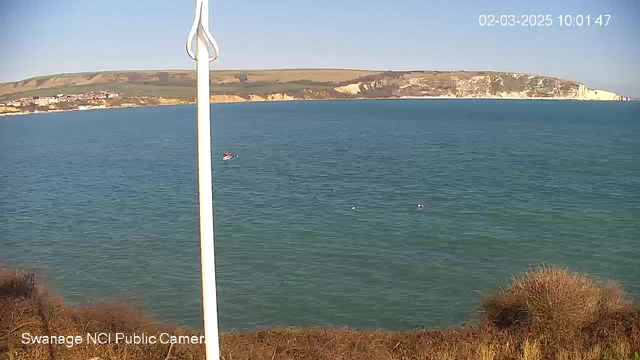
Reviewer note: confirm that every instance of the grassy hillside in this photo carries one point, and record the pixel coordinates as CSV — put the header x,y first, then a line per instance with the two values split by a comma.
x,y
181,83
311,84
546,314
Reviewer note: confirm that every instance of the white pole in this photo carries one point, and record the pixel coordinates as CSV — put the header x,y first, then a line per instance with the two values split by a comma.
x,y
205,183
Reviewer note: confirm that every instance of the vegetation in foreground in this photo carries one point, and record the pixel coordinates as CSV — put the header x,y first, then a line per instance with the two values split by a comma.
x,y
547,313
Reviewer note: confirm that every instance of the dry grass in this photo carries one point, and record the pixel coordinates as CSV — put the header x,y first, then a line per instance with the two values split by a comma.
x,y
553,299
560,307
171,81
530,350
549,313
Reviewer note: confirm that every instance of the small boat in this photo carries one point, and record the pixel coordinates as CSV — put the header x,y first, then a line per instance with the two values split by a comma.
x,y
227,156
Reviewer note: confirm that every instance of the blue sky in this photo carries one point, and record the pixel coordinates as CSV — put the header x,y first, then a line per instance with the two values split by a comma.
x,y
40,37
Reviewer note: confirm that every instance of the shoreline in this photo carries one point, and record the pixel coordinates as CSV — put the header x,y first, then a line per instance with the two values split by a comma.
x,y
234,99
89,109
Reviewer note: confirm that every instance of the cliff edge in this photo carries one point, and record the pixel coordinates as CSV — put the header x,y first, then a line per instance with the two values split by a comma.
x,y
482,85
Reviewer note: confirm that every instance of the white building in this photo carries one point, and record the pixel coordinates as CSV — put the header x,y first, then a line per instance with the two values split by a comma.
x,y
43,101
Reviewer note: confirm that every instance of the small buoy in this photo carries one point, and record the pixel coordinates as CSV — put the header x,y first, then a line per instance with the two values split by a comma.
x,y
420,206
353,208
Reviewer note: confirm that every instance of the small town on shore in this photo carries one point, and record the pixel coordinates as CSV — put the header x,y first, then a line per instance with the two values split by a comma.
x,y
80,101
58,102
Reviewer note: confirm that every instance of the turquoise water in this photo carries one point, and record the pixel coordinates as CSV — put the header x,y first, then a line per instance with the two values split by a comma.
x,y
106,205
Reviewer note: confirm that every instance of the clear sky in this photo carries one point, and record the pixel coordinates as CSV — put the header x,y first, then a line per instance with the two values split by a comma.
x,y
39,37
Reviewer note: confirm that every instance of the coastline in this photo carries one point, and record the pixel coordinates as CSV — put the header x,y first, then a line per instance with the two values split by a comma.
x,y
16,114
232,99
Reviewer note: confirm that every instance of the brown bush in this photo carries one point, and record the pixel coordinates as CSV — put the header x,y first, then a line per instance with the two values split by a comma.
x,y
16,285
551,298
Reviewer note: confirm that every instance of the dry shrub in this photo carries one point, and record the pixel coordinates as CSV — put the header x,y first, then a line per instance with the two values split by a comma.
x,y
553,301
111,317
14,284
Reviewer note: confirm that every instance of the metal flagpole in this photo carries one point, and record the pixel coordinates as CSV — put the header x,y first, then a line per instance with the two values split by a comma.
x,y
204,41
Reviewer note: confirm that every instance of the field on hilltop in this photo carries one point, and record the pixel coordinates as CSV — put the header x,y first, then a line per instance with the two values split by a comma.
x,y
181,83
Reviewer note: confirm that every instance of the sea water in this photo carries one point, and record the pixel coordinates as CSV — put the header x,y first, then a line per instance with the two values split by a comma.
x,y
316,219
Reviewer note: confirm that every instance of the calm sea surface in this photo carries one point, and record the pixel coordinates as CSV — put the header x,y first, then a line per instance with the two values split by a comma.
x,y
105,204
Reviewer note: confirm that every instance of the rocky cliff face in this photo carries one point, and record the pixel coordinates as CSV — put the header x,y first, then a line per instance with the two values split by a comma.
x,y
472,85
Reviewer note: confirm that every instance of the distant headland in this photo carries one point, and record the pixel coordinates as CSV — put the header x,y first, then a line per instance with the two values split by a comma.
x,y
114,89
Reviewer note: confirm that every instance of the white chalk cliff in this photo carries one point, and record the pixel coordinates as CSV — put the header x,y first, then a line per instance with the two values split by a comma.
x,y
481,85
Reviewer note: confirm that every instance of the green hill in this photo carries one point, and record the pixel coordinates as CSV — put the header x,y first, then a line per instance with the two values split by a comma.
x,y
181,83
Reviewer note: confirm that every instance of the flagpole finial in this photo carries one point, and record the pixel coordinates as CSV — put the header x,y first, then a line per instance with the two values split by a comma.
x,y
209,39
